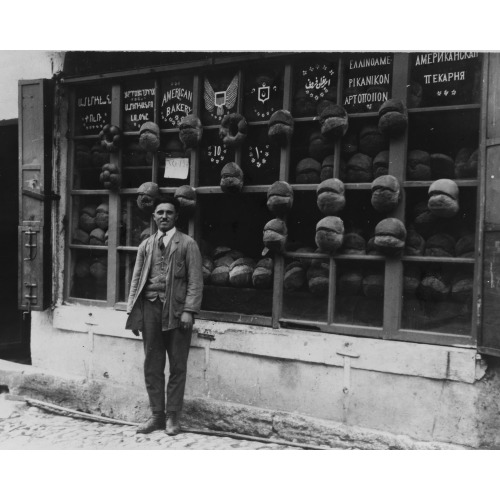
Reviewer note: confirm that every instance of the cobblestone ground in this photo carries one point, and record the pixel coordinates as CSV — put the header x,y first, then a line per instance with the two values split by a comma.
x,y
31,428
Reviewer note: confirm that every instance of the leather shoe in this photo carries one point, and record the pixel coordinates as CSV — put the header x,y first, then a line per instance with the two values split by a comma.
x,y
173,426
154,423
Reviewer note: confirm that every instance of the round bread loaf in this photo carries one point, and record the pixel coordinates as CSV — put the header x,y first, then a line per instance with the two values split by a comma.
x,y
318,278
462,287
329,234
415,95
87,222
411,279
231,178
275,235
381,164
373,285
97,237
330,196
233,130
465,247
327,168
303,105
295,276
308,171
220,274
443,198
220,251
390,236
371,141
334,122
461,164
262,277
371,248
415,243
280,198
207,267
281,127
147,193
472,165
350,283
186,195
386,193
102,216
434,286
424,220
190,131
82,268
307,261
393,118
149,136
99,156
240,272
235,254
110,176
442,166
440,245
146,233
319,147
99,269
359,168
350,143
80,237
418,166
354,244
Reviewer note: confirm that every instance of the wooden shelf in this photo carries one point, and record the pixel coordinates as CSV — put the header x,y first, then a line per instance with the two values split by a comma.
x,y
442,260
90,192
438,109
369,114
75,246
137,167
169,131
218,190
84,137
258,123
124,248
426,184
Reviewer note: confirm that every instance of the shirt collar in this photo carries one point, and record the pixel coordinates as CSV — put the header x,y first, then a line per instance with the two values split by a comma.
x,y
168,234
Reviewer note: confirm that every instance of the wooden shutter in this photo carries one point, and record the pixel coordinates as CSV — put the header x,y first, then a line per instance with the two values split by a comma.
x,y
35,196
489,338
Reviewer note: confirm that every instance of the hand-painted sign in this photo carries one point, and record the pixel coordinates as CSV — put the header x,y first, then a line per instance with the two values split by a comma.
x,y
139,104
367,82
93,110
444,78
176,168
263,96
176,100
314,82
219,98
217,154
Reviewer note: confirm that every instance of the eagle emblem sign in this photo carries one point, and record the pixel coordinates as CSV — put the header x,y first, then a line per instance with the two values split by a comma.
x,y
220,100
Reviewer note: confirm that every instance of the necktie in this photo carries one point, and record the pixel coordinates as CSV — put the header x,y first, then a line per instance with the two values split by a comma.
x,y
162,245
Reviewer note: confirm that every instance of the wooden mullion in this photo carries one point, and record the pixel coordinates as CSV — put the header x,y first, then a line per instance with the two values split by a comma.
x,y
114,208
481,204
338,142
156,113
393,283
194,225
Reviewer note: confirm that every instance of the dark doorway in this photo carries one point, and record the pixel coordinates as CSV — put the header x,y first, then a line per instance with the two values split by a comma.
x,y
14,327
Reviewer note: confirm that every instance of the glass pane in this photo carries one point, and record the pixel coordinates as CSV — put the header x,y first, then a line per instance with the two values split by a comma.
x,y
213,156
90,218
127,262
237,278
453,136
367,81
176,100
360,293
139,104
135,224
263,91
93,109
136,164
314,81
444,79
88,274
88,160
438,298
305,289
171,148
260,159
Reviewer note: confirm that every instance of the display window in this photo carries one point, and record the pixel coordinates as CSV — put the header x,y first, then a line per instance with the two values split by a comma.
x,y
376,159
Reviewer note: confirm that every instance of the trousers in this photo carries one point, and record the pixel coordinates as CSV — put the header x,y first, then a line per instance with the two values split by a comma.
x,y
157,345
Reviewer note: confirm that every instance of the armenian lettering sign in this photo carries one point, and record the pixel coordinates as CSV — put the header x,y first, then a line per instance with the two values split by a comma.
x,y
93,110
139,104
220,96
176,100
444,78
367,82
263,95
314,82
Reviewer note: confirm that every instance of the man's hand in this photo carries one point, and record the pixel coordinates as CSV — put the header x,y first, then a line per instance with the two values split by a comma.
x,y
186,321
136,332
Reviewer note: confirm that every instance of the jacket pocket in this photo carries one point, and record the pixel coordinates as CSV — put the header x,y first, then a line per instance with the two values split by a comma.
x,y
180,269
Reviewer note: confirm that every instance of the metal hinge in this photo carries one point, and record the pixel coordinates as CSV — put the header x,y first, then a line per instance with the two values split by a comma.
x,y
41,196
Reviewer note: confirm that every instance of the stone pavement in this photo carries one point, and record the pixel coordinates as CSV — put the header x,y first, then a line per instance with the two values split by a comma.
x,y
31,428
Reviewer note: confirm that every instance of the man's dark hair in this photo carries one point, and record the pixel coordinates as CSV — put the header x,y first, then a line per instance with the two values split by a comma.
x,y
167,198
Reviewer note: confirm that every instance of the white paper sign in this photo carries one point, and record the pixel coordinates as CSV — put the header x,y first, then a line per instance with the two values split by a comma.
x,y
176,168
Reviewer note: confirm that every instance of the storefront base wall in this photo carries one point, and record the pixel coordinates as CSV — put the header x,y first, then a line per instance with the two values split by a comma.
x,y
248,378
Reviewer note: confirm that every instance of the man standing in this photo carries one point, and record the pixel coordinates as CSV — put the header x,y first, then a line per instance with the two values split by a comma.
x,y
165,294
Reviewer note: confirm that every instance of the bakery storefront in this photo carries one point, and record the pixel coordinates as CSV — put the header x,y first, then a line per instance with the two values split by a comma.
x,y
347,209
